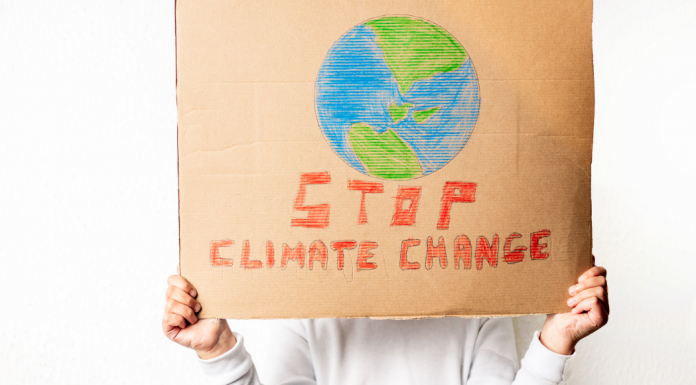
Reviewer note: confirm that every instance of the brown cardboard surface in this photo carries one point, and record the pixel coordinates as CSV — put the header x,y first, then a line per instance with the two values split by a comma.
x,y
249,129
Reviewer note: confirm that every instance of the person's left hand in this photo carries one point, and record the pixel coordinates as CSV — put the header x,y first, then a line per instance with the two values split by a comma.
x,y
590,311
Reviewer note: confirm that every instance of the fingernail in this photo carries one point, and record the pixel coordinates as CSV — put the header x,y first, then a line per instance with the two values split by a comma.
x,y
198,307
193,293
572,290
582,278
571,302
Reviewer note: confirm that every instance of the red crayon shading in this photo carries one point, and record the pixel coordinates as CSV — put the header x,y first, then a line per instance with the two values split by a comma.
x,y
406,216
364,254
339,246
317,215
365,187
215,259
270,254
296,254
405,245
462,250
246,263
454,192
486,251
536,247
318,252
516,255
438,252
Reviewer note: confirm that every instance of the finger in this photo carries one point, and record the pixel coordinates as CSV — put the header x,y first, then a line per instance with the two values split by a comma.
x,y
181,283
598,292
588,283
183,297
171,321
593,272
586,305
596,313
182,310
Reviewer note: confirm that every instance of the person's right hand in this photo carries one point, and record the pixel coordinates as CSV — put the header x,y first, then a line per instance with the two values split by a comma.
x,y
208,337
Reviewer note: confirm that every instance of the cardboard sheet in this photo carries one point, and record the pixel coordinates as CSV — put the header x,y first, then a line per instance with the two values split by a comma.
x,y
344,158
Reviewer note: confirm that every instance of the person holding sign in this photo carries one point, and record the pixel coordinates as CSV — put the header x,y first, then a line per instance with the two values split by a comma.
x,y
357,351
313,128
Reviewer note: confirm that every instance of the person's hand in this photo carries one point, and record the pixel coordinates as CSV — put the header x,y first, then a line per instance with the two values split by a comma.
x,y
590,311
209,337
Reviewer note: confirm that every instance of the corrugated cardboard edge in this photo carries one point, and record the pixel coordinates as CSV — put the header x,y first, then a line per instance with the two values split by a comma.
x,y
451,316
176,101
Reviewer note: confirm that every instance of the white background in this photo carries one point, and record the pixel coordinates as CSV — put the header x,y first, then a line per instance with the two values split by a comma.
x,y
88,194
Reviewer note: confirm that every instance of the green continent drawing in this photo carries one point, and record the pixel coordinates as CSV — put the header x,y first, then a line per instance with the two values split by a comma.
x,y
422,116
399,113
385,155
415,49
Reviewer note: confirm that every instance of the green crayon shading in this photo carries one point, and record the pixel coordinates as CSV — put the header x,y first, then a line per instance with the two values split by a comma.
x,y
384,155
416,50
399,113
422,116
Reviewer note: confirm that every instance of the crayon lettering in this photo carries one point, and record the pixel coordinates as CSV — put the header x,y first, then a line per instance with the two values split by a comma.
x,y
536,248
364,254
215,259
296,254
436,252
318,252
406,216
486,251
516,255
339,246
318,215
246,263
454,192
405,264
365,187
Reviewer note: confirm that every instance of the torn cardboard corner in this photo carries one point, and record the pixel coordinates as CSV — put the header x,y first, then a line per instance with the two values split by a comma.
x,y
384,159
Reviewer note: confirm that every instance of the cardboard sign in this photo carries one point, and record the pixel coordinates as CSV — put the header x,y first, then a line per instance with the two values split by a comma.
x,y
384,158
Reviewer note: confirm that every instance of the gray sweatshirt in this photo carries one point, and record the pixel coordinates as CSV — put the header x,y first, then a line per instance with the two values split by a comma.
x,y
441,351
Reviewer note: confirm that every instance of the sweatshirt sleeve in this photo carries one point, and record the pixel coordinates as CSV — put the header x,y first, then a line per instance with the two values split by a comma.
x,y
495,358
288,360
540,365
234,367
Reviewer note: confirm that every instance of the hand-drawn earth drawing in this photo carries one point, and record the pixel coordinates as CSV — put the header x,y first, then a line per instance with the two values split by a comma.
x,y
397,97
